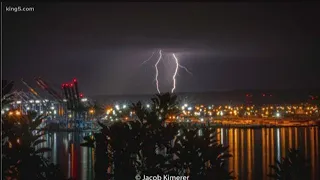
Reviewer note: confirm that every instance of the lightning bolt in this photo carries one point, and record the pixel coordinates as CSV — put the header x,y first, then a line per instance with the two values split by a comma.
x,y
186,69
175,73
157,71
147,59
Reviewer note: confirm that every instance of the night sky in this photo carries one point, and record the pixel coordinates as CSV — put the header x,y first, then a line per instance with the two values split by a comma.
x,y
226,46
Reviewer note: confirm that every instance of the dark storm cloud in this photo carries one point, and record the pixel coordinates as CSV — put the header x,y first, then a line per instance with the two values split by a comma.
x,y
227,46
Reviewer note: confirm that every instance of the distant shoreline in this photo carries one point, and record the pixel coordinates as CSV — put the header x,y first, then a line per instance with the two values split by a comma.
x,y
276,122
256,123
215,126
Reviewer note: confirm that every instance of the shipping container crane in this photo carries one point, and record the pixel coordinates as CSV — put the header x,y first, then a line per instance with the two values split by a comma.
x,y
66,94
36,95
75,82
34,92
73,97
47,88
71,93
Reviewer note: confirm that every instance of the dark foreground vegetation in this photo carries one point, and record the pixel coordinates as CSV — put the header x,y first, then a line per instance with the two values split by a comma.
x,y
149,146
21,159
145,146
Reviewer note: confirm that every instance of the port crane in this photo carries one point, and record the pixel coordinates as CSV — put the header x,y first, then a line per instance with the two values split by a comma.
x,y
35,94
45,86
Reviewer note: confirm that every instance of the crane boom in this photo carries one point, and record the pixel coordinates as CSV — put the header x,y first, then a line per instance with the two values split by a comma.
x,y
75,82
50,88
47,88
34,92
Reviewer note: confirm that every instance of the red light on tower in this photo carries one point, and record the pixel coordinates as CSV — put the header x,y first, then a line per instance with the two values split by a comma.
x,y
71,84
66,85
81,95
74,80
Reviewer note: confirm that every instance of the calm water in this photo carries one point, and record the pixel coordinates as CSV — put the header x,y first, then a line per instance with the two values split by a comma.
x,y
253,150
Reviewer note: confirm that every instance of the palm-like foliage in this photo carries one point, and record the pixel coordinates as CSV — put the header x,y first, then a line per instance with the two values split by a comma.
x,y
21,158
291,167
164,105
149,146
200,155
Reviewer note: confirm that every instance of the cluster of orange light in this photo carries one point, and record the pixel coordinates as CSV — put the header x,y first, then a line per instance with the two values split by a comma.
x,y
17,113
264,111
235,111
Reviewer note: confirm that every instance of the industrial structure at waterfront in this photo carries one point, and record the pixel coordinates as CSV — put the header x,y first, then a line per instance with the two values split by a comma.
x,y
69,108
66,104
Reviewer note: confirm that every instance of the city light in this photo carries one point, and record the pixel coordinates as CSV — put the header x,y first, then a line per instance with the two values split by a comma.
x,y
84,99
18,113
197,112
18,102
37,101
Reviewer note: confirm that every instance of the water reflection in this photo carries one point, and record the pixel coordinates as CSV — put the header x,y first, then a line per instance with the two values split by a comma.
x,y
253,150
76,162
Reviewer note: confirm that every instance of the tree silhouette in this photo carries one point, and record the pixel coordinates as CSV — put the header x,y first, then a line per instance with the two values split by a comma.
x,y
21,158
291,167
148,145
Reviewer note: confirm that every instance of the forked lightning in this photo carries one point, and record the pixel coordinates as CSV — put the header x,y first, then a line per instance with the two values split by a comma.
x,y
178,65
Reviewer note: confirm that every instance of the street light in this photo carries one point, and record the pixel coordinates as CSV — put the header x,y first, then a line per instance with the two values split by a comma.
x,y
18,113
